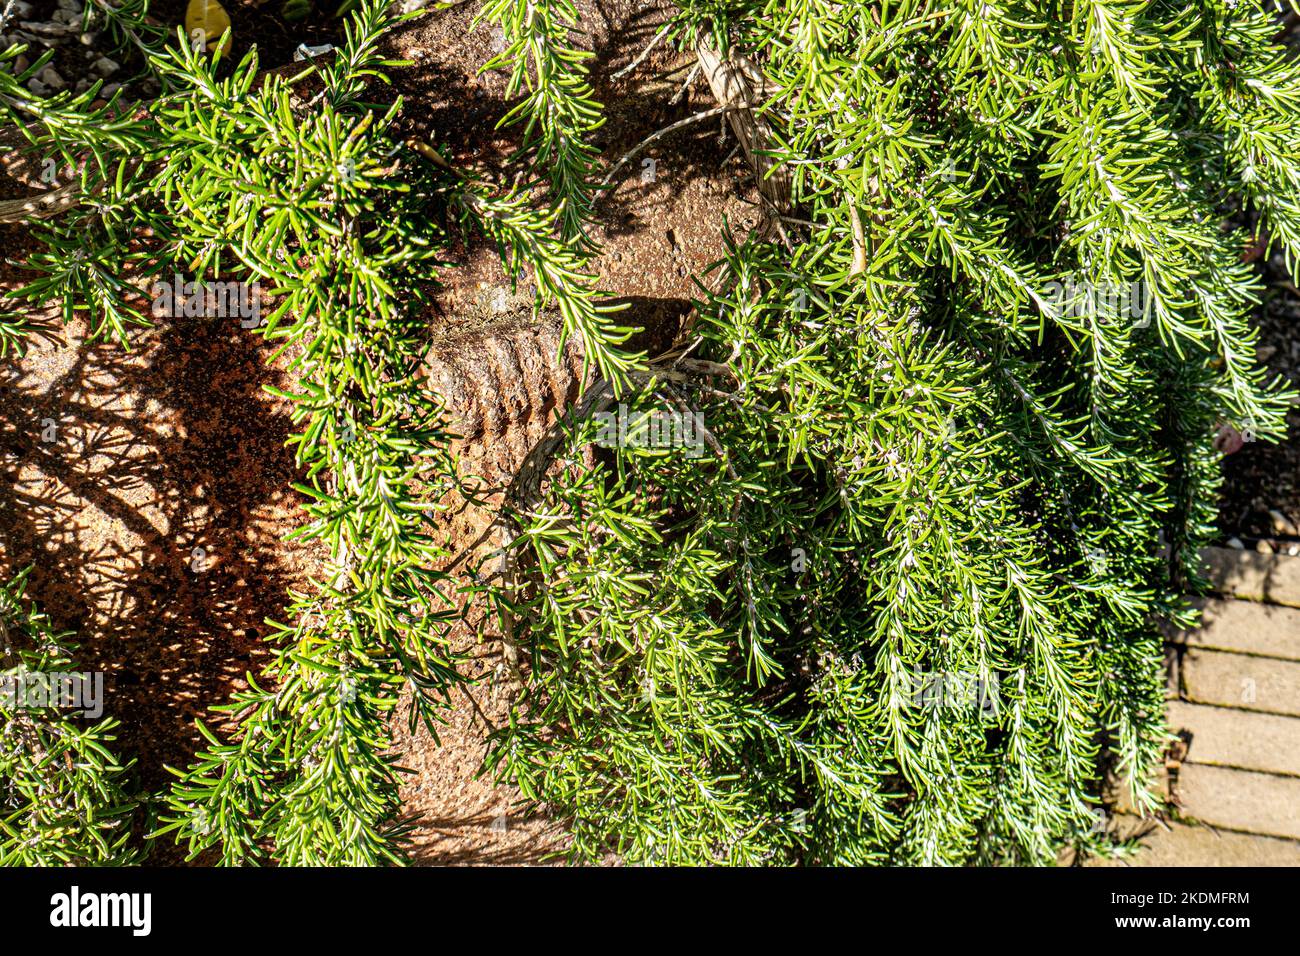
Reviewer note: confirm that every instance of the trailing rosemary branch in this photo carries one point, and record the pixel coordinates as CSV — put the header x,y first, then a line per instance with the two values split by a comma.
x,y
64,796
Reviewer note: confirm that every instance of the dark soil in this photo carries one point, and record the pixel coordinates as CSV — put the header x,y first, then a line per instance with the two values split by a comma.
x,y
263,25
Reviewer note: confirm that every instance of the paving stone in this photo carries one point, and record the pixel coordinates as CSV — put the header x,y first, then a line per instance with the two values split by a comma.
x,y
1274,578
1239,680
1240,675
1246,626
1238,738
1241,800
1173,668
1185,845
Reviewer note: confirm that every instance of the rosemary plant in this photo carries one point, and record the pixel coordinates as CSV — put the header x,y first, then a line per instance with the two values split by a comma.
x,y
64,796
300,185
961,406
940,457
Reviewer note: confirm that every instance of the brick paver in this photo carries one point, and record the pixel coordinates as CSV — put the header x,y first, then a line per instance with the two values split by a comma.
x,y
1225,737
1243,800
1183,845
1242,681
1246,627
1272,578
1235,701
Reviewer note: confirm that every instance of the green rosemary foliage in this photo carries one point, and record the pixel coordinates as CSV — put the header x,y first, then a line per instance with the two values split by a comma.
x,y
558,114
939,456
298,185
129,25
305,200
13,333
63,797
907,607
526,237
85,253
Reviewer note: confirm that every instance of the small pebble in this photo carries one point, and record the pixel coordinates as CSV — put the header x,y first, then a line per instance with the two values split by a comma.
x,y
1235,543
89,39
306,52
1282,525
1263,547
47,34
21,64
1228,440
22,9
51,78
105,67
1265,352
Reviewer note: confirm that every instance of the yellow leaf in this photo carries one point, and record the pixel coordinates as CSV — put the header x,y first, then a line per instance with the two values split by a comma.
x,y
205,22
